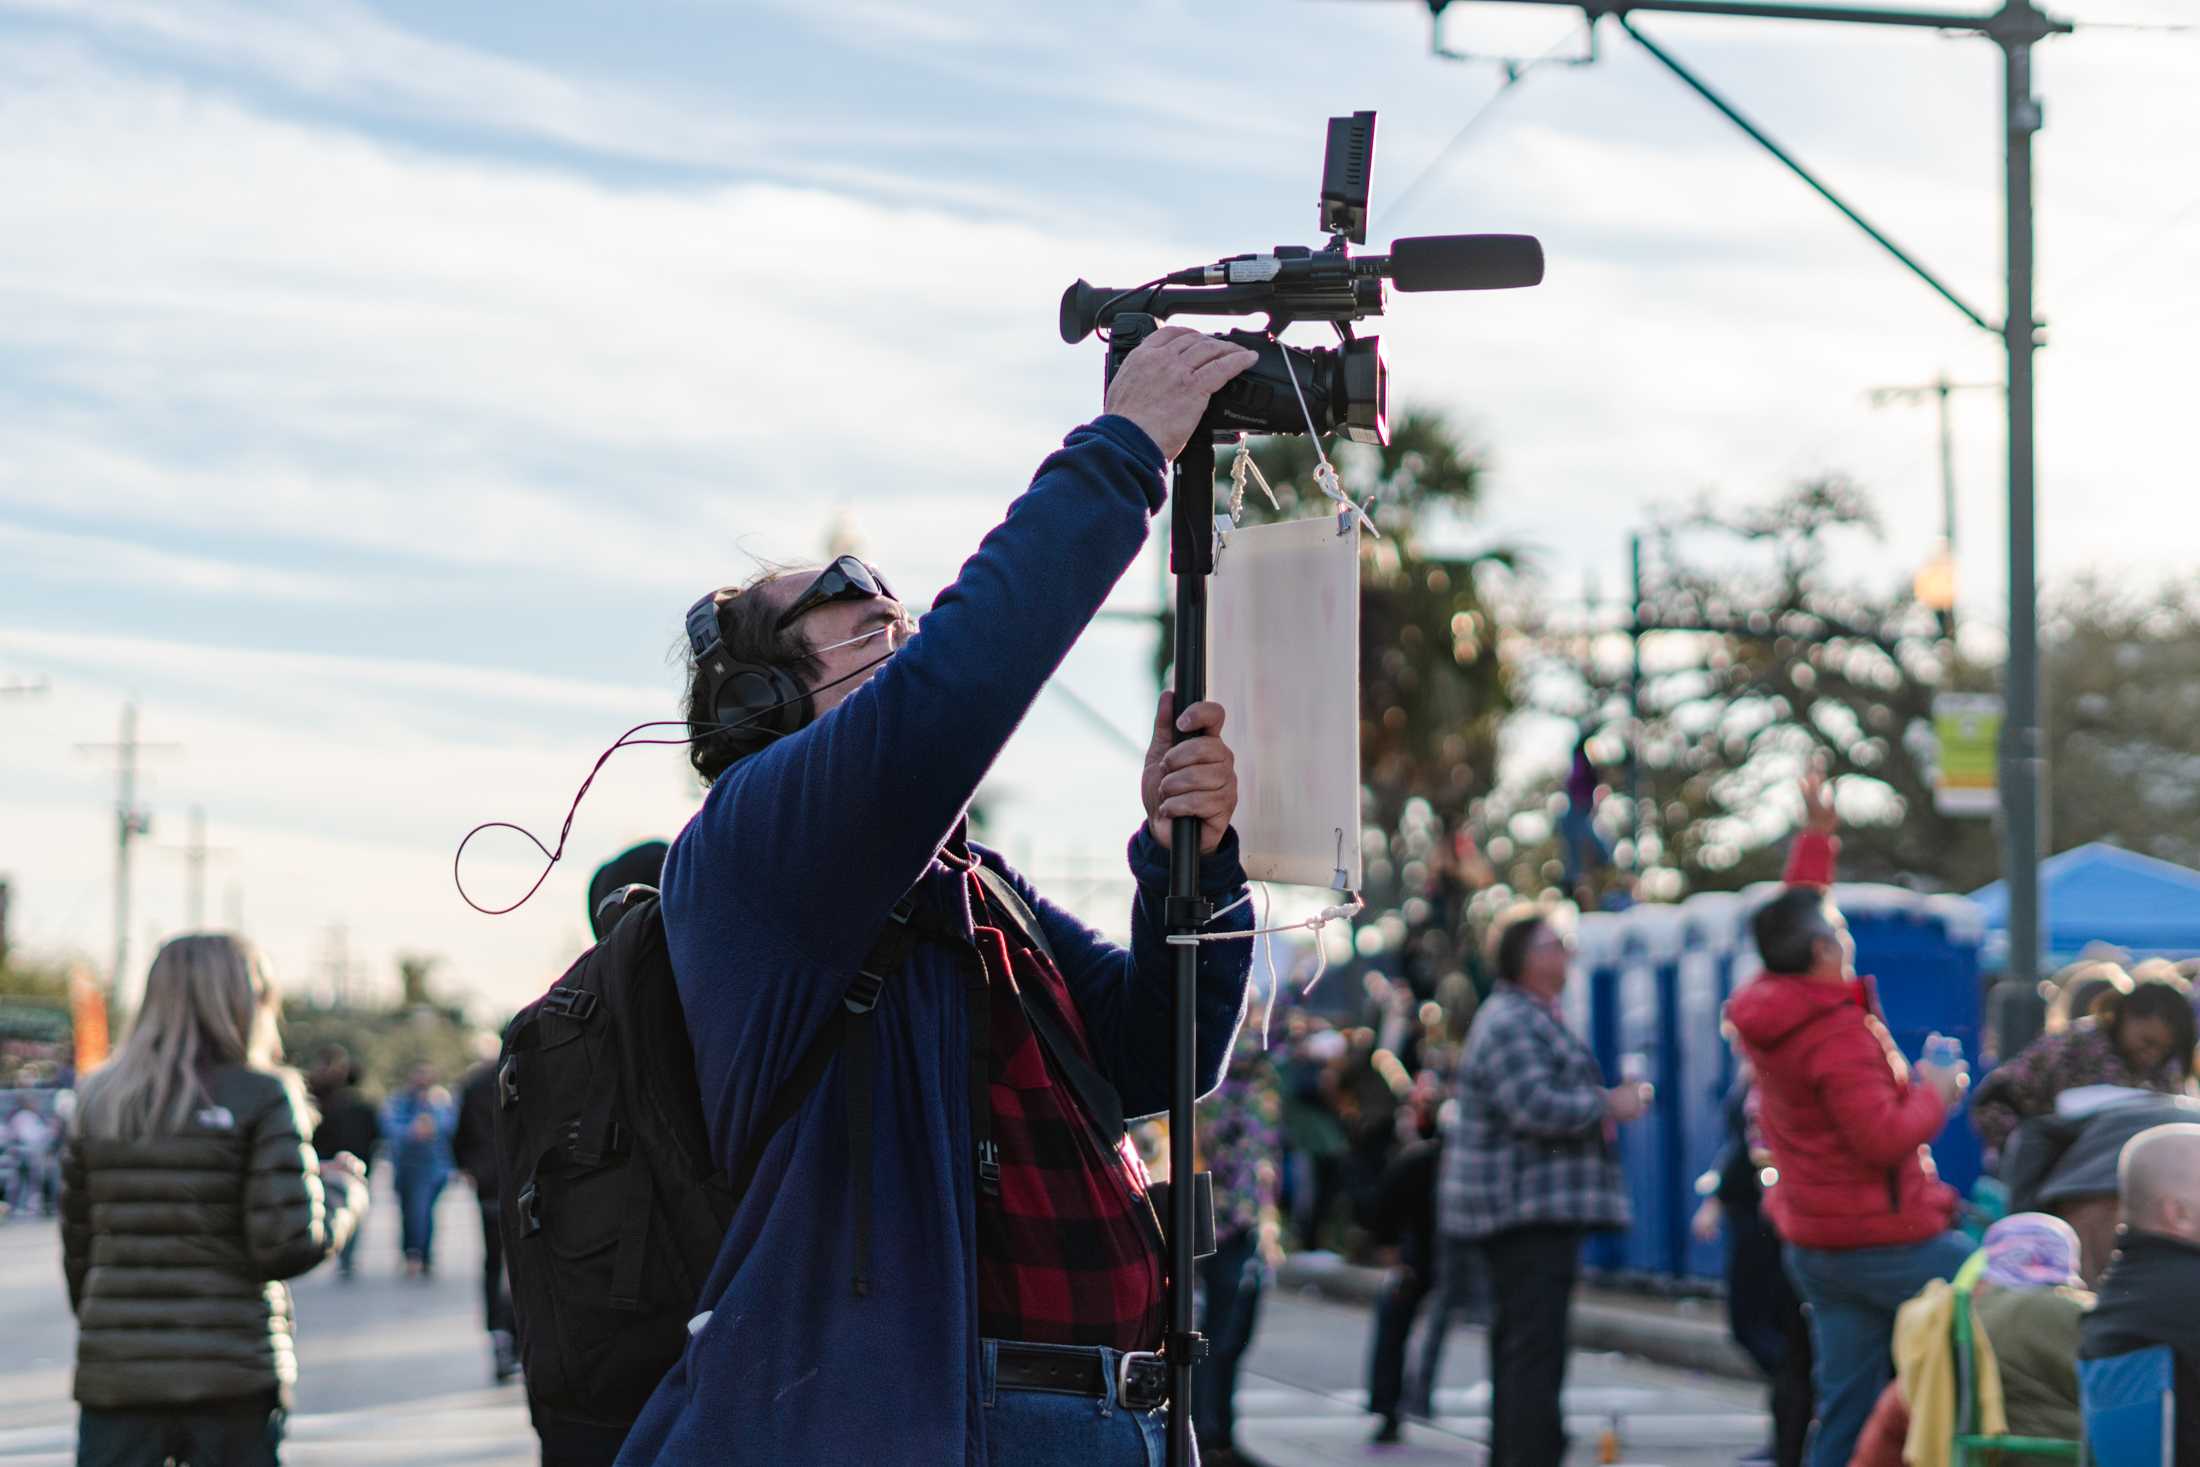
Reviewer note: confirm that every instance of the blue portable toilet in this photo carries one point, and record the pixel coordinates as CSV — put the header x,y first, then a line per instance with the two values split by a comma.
x,y
1626,982
1591,1007
1710,963
1924,953
1648,1043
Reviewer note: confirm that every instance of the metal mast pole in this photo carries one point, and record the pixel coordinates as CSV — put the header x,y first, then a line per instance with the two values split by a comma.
x,y
1635,630
2023,752
1191,558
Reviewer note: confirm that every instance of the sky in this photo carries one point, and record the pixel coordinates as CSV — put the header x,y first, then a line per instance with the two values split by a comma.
x,y
379,383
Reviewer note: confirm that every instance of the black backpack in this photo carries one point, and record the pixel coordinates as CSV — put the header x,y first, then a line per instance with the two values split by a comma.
x,y
611,1205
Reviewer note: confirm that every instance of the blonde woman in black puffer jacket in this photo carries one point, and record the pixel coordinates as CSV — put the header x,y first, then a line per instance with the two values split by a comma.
x,y
188,1193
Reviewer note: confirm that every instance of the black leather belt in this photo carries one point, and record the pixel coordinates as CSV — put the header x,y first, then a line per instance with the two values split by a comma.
x,y
1141,1378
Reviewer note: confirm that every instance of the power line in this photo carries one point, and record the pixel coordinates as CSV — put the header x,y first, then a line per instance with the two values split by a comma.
x,y
2109,268
1514,72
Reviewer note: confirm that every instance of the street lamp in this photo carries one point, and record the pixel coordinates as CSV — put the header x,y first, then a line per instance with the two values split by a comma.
x,y
1934,586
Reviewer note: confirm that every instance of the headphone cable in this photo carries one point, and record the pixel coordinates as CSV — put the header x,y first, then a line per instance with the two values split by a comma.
x,y
624,741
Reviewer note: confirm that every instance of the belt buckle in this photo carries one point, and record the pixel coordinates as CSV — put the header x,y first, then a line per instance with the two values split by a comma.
x,y
1141,1381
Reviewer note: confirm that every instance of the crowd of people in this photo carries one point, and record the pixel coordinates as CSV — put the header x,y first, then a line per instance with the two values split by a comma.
x,y
31,1126
826,914
1468,1148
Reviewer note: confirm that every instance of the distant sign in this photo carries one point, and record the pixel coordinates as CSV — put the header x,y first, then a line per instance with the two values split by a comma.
x,y
1968,727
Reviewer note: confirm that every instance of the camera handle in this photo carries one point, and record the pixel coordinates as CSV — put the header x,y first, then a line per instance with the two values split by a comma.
x,y
1191,560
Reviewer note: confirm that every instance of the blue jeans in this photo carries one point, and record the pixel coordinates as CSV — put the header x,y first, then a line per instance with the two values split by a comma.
x,y
1852,1296
1026,1428
417,1190
1231,1280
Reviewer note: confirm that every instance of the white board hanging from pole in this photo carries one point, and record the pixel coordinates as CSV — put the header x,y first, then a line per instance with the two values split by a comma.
x,y
1283,660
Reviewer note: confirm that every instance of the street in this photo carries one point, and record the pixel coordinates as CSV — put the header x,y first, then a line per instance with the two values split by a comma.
x,y
394,1371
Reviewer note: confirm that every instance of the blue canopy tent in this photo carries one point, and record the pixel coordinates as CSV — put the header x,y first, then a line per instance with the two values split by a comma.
x,y
2102,894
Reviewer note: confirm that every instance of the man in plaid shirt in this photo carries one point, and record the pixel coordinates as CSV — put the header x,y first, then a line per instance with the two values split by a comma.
x,y
1528,1170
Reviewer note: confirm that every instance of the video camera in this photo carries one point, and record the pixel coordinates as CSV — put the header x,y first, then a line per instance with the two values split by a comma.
x,y
1293,389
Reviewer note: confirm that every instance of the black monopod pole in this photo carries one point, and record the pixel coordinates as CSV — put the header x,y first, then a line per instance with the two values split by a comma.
x,y
1192,559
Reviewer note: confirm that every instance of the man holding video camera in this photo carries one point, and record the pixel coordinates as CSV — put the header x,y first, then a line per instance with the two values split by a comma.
x,y
972,1271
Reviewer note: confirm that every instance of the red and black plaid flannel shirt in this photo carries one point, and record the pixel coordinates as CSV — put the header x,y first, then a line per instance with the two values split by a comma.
x,y
1070,1252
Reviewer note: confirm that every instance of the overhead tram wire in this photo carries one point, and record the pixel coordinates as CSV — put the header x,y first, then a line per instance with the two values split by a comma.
x,y
1515,73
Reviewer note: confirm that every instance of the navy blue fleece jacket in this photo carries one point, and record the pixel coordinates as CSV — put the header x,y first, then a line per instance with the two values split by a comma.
x,y
771,896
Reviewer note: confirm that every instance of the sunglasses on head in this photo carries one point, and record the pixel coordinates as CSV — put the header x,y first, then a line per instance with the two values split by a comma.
x,y
846,579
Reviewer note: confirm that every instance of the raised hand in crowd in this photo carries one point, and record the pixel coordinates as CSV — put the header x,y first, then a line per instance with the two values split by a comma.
x,y
1818,811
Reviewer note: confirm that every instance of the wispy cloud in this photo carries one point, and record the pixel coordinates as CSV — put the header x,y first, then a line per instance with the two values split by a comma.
x,y
102,560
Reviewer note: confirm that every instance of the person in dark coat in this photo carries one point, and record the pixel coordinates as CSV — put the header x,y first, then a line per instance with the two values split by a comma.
x,y
1401,1214
473,1147
348,1123
637,865
188,1194
1763,1313
2146,1297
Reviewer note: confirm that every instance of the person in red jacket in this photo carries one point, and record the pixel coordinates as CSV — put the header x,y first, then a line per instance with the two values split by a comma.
x,y
1866,1219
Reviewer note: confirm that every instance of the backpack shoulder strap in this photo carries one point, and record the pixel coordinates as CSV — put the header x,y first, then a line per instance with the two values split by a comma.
x,y
887,954
848,1031
1004,894
1102,1102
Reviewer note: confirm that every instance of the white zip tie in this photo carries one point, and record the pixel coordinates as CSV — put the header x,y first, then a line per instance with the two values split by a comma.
x,y
1312,924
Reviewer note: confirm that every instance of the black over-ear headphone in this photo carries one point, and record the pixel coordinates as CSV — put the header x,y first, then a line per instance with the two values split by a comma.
x,y
752,703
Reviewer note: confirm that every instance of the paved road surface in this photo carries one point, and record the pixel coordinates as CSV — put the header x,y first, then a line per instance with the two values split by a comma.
x,y
395,1373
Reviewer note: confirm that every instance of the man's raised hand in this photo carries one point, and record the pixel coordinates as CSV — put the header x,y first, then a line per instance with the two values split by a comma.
x,y
1197,777
1818,812
1164,384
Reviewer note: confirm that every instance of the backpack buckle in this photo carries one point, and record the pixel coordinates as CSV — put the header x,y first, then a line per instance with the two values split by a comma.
x,y
530,1211
863,992
574,1003
508,1083
989,1168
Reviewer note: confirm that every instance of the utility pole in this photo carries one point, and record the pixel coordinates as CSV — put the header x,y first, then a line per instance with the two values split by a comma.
x,y
1941,594
2016,27
195,852
130,823
1635,629
337,964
